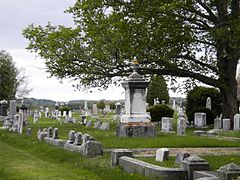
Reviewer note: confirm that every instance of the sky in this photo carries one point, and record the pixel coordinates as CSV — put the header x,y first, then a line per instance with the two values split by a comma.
x,y
17,15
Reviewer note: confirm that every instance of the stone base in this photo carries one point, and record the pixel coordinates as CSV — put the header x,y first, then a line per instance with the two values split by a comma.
x,y
135,118
136,130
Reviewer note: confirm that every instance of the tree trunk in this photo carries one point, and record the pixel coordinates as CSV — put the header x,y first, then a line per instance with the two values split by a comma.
x,y
228,87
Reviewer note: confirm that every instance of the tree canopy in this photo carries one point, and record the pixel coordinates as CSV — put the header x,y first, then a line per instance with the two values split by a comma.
x,y
157,88
190,38
8,76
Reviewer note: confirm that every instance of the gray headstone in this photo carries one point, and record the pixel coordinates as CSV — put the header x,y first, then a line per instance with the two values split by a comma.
x,y
50,132
94,110
217,123
200,119
226,124
105,126
229,171
181,156
208,103
162,154
89,124
117,153
55,133
86,138
29,131
13,107
78,138
71,137
236,122
181,126
97,124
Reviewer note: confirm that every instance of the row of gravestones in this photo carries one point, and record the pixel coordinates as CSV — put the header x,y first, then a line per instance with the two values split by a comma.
x,y
219,123
77,142
167,124
98,125
191,166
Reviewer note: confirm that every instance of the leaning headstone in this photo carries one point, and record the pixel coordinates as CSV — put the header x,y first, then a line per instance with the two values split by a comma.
x,y
167,124
50,132
29,132
71,137
55,133
217,123
89,124
78,139
105,126
236,122
226,124
200,119
229,171
181,156
208,103
162,154
97,124
194,163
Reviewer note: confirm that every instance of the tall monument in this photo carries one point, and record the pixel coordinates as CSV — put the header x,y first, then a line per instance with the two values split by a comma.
x,y
135,122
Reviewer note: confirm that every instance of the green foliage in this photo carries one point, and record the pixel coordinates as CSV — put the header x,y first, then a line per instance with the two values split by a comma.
x,y
65,108
159,111
157,88
8,77
101,104
196,102
112,105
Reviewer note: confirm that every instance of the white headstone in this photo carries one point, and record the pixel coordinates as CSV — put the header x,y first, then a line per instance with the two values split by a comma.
x,y
64,113
162,154
200,119
35,116
236,122
94,110
167,124
208,103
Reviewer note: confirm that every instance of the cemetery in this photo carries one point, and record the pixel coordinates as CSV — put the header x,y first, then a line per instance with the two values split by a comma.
x,y
137,53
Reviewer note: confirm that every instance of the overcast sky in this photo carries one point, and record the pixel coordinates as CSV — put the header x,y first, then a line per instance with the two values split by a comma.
x,y
14,17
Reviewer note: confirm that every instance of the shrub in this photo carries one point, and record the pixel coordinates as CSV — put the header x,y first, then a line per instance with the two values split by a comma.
x,y
196,102
65,108
159,111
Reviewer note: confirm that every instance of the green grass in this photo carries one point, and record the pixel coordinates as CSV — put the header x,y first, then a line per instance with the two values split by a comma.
x,y
24,157
215,161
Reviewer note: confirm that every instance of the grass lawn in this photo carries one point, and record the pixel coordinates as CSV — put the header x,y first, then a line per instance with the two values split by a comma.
x,y
24,157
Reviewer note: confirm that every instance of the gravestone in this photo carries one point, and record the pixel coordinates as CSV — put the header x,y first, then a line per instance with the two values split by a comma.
x,y
86,138
217,123
181,156
29,132
174,104
135,122
70,114
13,109
94,110
50,132
78,139
226,124
15,123
162,154
85,106
181,124
229,172
64,113
208,103
104,126
236,122
55,133
35,116
71,137
107,108
194,163
97,124
118,111
89,124
167,124
46,112
200,119
22,118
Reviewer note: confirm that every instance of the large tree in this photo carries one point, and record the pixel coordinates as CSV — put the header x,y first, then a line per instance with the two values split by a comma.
x,y
157,88
198,39
8,76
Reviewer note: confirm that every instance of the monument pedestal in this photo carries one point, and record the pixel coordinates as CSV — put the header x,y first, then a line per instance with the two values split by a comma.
x,y
136,129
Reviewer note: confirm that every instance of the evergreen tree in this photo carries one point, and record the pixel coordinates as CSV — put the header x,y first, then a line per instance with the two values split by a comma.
x,y
157,88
